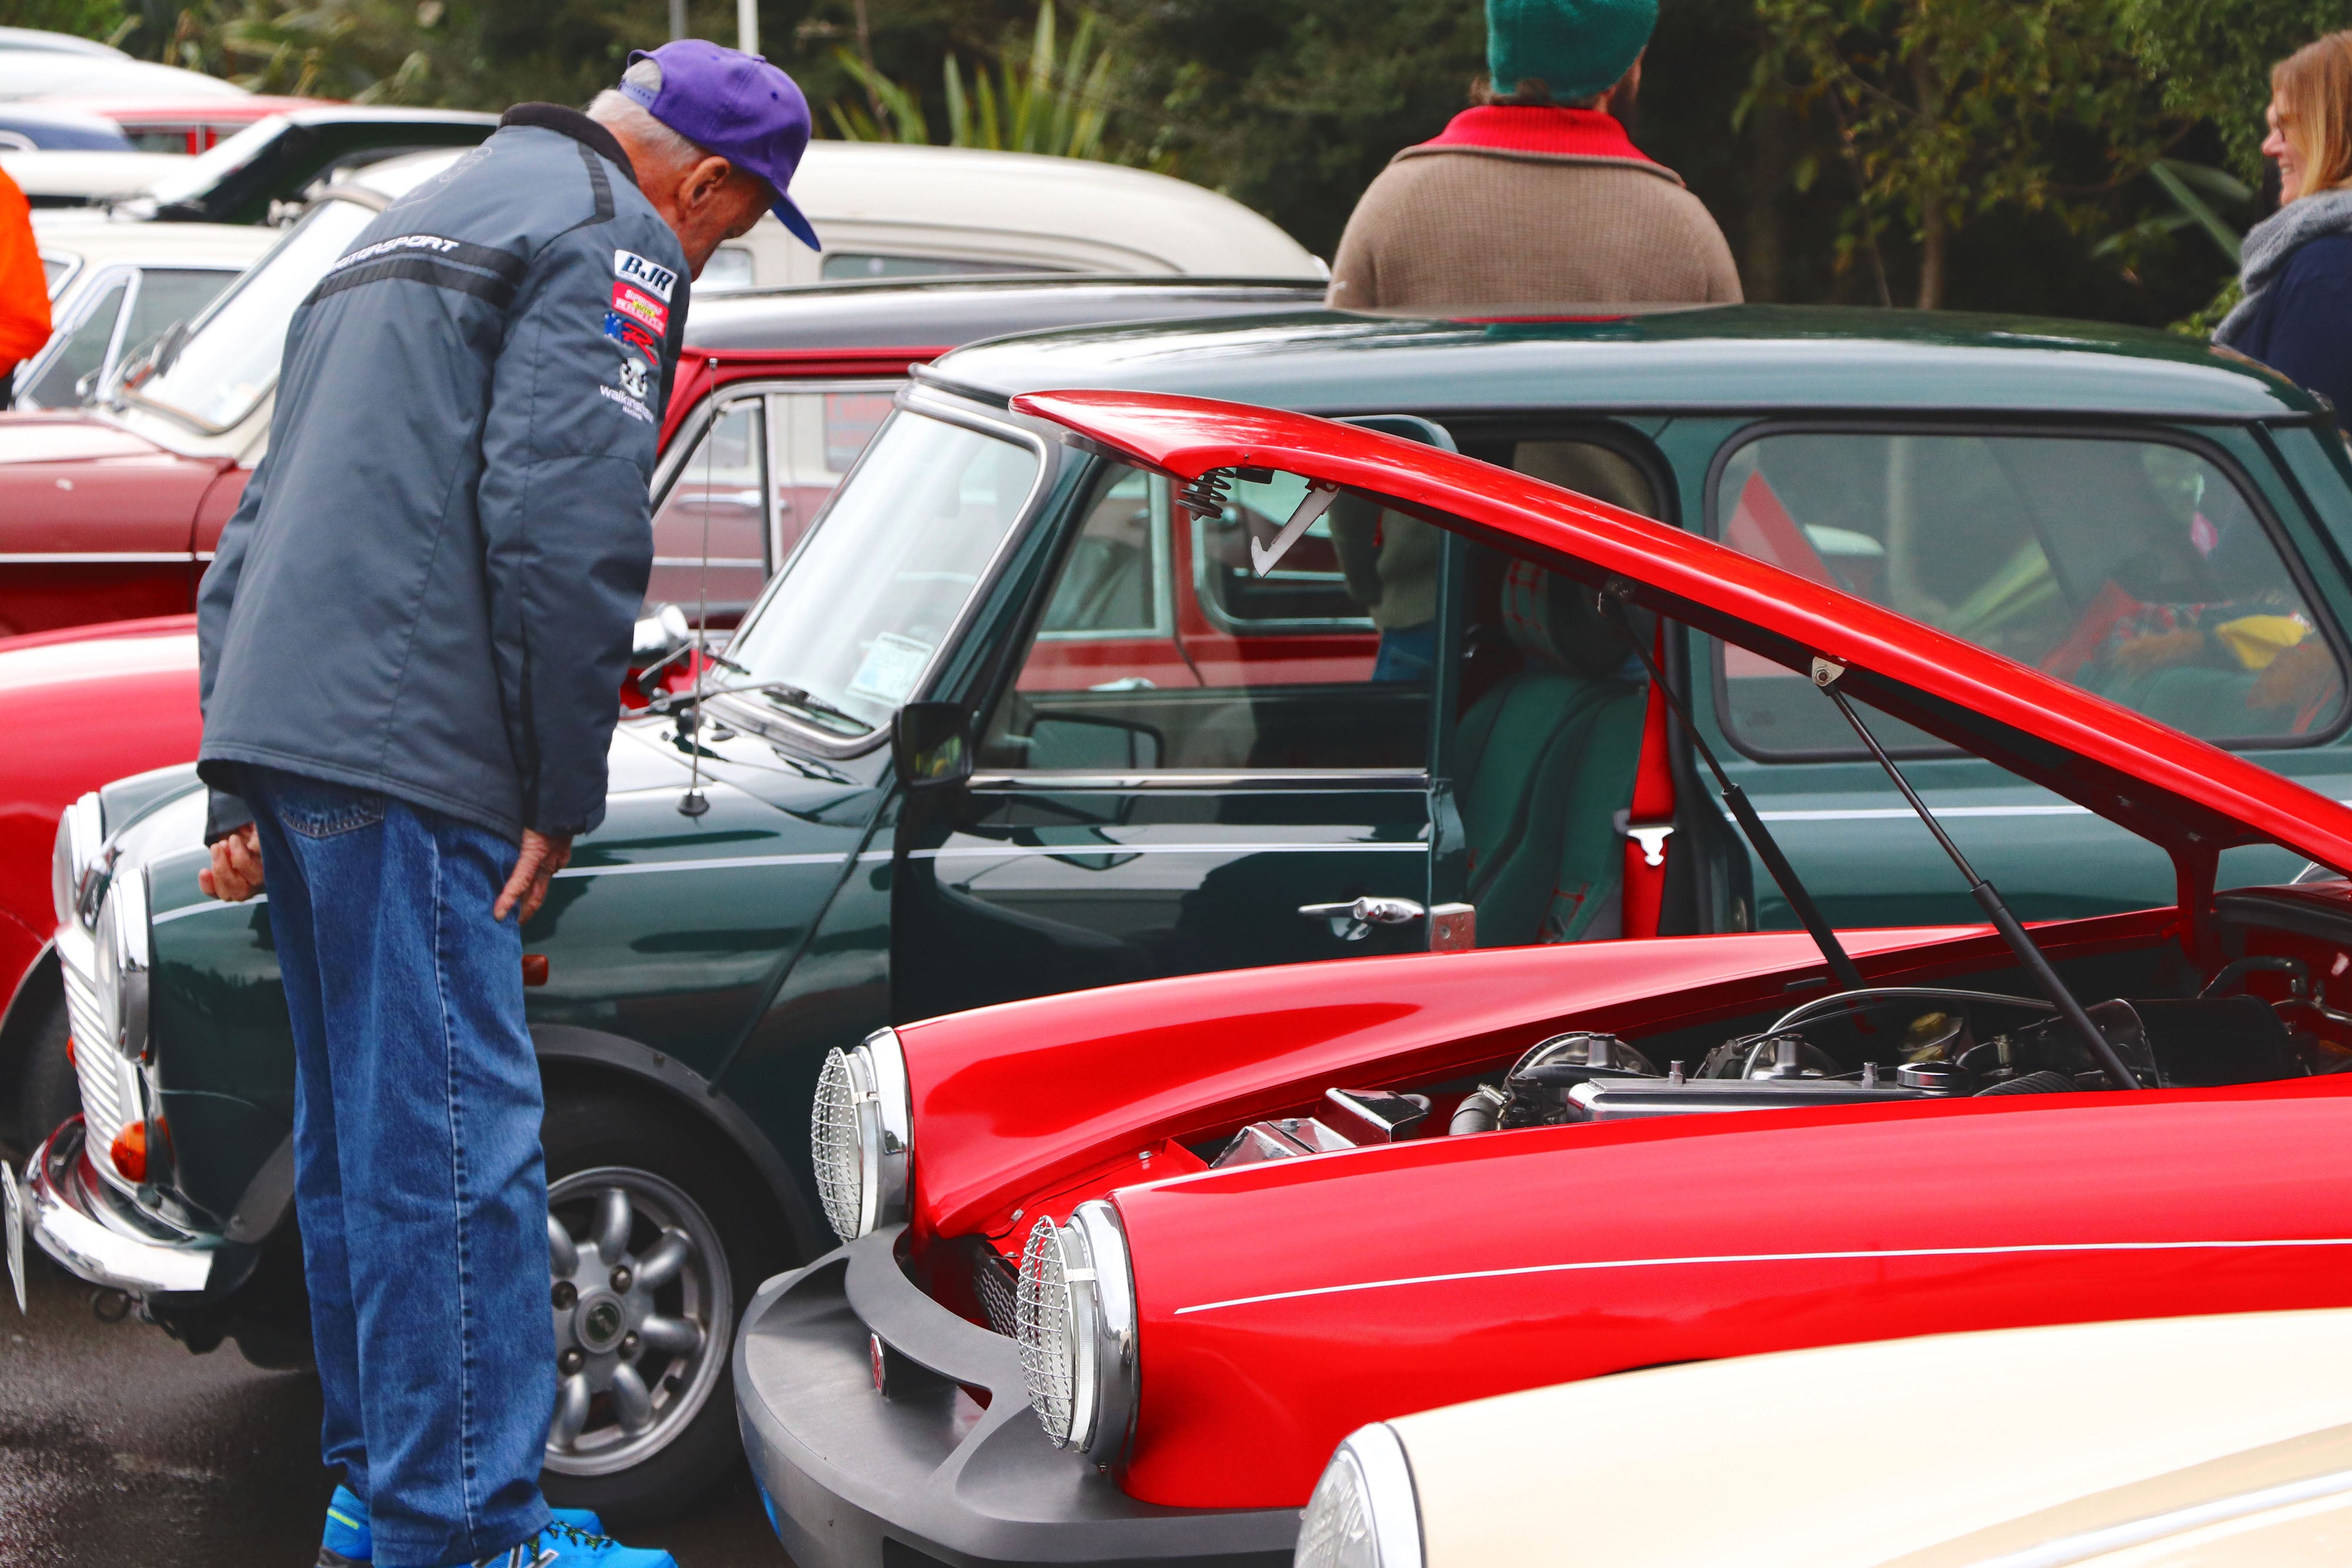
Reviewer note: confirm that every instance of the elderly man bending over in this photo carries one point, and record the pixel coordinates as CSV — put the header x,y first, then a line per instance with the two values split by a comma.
x,y
412,642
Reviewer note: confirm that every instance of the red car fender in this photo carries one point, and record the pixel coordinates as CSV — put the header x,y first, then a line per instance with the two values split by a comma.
x,y
1282,1306
85,706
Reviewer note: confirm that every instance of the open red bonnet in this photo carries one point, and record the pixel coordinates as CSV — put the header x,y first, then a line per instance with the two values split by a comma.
x,y
2193,798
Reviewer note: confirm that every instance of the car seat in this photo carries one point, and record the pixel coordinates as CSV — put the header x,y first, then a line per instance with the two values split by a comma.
x,y
1547,760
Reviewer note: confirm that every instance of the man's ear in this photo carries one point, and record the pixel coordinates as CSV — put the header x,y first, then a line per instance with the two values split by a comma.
x,y
704,181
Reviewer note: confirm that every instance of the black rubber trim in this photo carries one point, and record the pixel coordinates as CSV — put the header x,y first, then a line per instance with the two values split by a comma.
x,y
498,291
858,1479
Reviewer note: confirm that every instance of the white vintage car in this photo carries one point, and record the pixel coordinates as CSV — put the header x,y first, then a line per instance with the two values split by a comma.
x,y
116,288
2211,1442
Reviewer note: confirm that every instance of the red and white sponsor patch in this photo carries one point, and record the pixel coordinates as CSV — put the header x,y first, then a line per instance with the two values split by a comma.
x,y
641,306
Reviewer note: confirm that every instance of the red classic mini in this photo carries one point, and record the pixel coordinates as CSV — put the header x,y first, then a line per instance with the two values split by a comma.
x,y
1122,1266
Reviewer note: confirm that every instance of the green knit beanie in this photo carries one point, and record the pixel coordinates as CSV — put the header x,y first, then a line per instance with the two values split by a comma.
x,y
1575,48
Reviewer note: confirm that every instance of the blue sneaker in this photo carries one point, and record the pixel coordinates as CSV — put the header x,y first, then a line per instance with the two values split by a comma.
x,y
348,1540
562,1545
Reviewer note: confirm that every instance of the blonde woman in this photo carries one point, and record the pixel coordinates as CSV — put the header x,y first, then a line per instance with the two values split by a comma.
x,y
2296,266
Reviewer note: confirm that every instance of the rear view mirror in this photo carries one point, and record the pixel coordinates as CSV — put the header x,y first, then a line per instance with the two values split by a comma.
x,y
931,744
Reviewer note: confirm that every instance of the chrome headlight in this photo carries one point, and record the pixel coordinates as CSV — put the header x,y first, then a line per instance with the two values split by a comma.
x,y
861,1133
1076,1328
75,857
119,959
1363,1513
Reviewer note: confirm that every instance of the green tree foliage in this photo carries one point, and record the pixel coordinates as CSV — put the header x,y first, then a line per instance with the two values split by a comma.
x,y
2213,58
1292,106
1945,109
83,18
1041,99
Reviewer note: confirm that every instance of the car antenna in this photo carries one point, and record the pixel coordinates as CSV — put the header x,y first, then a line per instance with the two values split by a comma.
x,y
2037,962
1743,811
693,802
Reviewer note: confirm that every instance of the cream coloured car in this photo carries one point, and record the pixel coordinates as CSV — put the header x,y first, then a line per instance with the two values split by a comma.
x,y
885,210
2208,1442
115,287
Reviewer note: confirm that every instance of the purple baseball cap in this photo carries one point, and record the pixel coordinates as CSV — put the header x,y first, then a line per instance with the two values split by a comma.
x,y
737,106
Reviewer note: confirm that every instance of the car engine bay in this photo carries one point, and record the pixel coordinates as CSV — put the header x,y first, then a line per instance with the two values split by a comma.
x,y
1879,1045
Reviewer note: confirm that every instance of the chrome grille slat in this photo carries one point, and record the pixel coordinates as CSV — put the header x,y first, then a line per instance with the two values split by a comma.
x,y
98,1070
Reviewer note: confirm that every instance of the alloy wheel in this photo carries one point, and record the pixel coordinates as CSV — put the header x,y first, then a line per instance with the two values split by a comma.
x,y
644,1315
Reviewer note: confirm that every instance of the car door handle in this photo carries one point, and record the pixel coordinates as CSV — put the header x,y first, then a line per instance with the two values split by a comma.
x,y
1354,920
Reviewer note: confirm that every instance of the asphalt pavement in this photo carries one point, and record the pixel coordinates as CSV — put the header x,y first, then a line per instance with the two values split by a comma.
x,y
117,1446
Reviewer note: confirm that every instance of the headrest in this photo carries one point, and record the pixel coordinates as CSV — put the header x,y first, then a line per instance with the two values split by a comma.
x,y
1553,619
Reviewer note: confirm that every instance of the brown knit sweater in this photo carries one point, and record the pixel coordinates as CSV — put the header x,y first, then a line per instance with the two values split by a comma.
x,y
1447,227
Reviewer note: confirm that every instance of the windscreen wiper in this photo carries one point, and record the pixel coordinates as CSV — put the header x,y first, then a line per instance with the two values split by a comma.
x,y
2037,964
1735,801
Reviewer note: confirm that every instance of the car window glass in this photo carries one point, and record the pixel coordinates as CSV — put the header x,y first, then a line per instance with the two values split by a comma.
x,y
852,624
817,439
710,531
1132,669
83,351
2135,569
1309,591
231,357
848,267
166,295
54,267
729,267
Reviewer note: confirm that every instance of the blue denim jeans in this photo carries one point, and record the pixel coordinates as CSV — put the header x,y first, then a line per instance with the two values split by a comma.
x,y
417,1175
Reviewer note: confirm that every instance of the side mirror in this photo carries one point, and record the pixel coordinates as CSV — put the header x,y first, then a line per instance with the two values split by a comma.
x,y
932,744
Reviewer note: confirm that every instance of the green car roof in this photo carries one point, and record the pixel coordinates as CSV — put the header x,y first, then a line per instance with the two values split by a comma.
x,y
1724,356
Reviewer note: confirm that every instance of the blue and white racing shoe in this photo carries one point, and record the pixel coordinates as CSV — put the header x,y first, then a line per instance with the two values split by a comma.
x,y
348,1542
561,1545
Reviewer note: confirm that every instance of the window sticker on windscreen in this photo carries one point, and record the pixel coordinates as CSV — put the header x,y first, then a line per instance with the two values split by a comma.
x,y
891,667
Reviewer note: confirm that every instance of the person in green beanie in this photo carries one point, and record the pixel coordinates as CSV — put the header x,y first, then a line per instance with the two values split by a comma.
x,y
1536,196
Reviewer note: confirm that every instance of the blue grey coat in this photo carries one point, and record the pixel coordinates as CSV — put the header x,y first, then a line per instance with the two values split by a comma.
x,y
429,587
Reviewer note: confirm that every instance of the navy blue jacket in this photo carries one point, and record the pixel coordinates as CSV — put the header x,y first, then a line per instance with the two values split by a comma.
x,y
429,587
2302,325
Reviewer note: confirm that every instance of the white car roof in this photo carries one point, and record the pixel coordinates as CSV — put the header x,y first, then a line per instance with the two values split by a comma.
x,y
87,176
48,73
1954,1448
1182,226
56,43
96,243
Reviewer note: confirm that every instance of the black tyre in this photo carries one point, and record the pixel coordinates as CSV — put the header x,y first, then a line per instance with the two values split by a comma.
x,y
47,1093
658,1238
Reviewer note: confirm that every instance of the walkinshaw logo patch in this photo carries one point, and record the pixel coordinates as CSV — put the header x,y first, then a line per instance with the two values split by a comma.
x,y
633,376
432,242
631,335
650,275
629,302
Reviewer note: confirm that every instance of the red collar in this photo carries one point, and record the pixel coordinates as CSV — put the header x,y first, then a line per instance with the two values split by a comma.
x,y
1560,132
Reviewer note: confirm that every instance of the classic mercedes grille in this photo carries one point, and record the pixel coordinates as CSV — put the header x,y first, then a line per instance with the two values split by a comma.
x,y
834,1146
998,1287
98,1070
1046,1361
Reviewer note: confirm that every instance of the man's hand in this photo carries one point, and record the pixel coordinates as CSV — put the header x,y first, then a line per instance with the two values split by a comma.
x,y
234,875
542,858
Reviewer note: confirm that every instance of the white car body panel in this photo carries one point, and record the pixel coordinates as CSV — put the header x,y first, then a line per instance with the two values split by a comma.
x,y
2213,1441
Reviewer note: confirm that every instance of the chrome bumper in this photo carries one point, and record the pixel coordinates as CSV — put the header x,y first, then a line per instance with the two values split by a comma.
x,y
852,1479
100,1236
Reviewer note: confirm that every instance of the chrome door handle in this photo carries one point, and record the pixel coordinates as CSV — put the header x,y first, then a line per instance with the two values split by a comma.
x,y
1353,920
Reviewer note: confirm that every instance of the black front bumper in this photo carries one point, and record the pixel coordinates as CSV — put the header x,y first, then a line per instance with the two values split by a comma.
x,y
853,1479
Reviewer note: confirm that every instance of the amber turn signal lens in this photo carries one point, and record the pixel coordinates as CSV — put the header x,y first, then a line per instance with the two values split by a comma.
x,y
129,1152
534,968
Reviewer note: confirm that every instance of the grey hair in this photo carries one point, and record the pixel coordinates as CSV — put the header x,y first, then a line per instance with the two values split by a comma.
x,y
613,108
